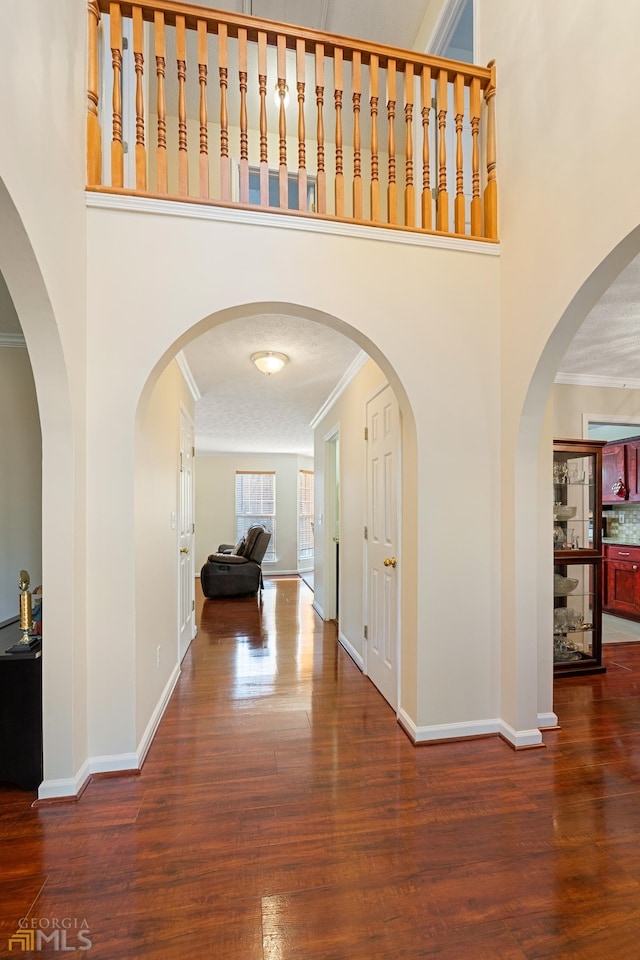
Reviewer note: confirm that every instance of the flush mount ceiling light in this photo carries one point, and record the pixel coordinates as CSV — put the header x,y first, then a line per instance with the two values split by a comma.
x,y
269,362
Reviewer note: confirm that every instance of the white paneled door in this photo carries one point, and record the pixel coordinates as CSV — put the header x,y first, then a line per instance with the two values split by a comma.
x,y
186,583
383,460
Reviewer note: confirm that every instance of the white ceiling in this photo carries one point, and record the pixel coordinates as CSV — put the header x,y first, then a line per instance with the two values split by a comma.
x,y
380,21
242,410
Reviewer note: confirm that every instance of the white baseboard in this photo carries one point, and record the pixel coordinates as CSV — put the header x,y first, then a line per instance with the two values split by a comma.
x,y
547,720
351,650
520,738
156,716
471,728
115,763
318,609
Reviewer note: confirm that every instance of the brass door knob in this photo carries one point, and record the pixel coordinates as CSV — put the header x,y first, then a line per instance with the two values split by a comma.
x,y
184,549
390,561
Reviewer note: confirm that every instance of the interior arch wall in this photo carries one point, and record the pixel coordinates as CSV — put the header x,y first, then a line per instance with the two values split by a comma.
x,y
42,257
569,195
433,335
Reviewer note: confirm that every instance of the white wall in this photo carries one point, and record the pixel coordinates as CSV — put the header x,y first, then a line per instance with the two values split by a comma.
x,y
431,326
42,258
565,89
156,476
20,479
347,416
571,401
469,342
216,504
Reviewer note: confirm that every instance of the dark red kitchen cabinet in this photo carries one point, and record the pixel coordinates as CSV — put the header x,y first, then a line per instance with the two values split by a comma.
x,y
614,471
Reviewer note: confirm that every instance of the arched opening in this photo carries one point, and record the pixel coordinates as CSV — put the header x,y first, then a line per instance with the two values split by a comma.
x,y
531,578
162,388
64,665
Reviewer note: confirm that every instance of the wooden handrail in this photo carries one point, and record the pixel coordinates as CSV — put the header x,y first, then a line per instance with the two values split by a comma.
x,y
387,111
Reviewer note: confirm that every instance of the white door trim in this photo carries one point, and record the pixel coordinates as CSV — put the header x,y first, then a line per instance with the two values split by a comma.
x,y
365,604
331,441
185,417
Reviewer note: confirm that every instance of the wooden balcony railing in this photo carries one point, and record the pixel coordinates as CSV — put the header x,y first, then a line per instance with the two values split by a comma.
x,y
190,103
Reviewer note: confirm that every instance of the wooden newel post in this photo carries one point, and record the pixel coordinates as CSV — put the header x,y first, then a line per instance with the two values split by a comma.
x,y
94,152
491,189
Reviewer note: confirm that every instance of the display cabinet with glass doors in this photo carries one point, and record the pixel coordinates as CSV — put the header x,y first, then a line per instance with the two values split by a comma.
x,y
577,557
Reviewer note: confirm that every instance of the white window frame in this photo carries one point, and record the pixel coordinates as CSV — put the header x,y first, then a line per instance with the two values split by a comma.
x,y
306,488
255,502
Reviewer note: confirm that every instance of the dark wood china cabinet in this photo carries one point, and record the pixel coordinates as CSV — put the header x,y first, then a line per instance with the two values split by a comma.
x,y
577,557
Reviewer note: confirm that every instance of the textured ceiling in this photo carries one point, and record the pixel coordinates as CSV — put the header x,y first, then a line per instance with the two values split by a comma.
x,y
608,342
242,410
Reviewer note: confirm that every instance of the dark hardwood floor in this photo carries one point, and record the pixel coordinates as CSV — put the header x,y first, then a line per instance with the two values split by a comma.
x,y
282,814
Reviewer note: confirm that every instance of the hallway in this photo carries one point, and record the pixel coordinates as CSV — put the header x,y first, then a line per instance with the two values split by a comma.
x,y
282,814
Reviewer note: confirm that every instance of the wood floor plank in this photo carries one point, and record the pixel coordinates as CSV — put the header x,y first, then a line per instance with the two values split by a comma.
x,y
283,813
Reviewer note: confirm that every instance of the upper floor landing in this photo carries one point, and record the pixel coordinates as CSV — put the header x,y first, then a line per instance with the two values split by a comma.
x,y
193,104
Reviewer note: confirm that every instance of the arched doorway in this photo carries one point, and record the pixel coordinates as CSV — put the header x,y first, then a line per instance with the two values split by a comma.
x,y
353,550
63,568
532,569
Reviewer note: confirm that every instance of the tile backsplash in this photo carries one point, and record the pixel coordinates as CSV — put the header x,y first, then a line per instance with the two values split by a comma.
x,y
622,523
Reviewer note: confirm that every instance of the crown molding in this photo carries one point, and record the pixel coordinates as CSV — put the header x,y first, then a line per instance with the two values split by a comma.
x,y
12,340
258,218
589,380
350,373
185,369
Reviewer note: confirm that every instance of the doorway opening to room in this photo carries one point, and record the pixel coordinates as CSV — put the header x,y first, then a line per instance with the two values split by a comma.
x,y
303,427
620,524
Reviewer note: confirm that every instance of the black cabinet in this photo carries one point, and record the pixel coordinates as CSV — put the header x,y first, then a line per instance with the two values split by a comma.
x,y
20,713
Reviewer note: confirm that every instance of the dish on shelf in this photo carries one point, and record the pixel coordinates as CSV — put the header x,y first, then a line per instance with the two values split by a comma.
x,y
565,652
563,512
562,586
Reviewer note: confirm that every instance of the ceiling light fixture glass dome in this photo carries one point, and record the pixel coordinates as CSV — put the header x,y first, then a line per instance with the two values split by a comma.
x,y
268,361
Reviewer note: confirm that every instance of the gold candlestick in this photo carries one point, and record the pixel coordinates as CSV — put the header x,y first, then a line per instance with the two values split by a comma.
x,y
26,610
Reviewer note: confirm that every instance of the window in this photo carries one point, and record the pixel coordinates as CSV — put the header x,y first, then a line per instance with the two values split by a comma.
x,y
305,516
274,189
256,503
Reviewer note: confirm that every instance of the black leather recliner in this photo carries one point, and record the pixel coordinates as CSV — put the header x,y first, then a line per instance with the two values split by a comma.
x,y
237,573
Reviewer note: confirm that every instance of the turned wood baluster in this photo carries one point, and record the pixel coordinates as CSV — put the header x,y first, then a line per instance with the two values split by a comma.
x,y
375,182
244,137
476,205
262,82
442,222
409,194
425,99
283,177
491,189
356,73
392,189
138,55
458,107
161,159
94,150
302,150
225,172
337,96
181,56
204,134
117,152
322,177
